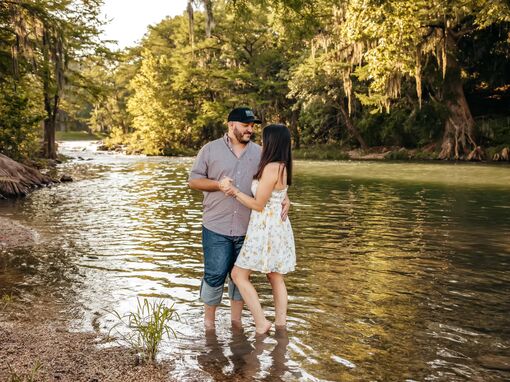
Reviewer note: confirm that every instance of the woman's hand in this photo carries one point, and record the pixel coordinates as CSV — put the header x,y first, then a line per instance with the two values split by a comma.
x,y
231,191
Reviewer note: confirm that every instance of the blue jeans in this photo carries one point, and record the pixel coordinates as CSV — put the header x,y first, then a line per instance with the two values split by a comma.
x,y
220,254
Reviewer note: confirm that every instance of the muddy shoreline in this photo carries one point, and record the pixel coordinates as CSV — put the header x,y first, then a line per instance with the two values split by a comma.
x,y
34,330
37,334
14,234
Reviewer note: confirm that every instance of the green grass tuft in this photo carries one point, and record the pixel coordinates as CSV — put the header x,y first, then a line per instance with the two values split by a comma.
x,y
32,376
146,327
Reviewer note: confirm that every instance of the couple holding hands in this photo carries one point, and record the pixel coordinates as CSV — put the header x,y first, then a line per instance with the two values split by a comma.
x,y
245,224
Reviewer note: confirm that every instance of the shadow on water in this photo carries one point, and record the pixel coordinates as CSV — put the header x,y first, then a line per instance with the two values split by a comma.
x,y
403,269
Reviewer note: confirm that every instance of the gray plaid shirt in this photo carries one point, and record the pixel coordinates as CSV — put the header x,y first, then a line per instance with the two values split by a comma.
x,y
224,214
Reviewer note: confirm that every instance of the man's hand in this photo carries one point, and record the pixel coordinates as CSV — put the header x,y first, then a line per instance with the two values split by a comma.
x,y
225,183
285,208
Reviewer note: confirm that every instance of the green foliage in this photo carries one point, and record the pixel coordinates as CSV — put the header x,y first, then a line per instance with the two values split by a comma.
x,y
147,327
400,37
403,125
401,154
328,69
42,46
6,300
321,152
20,119
494,131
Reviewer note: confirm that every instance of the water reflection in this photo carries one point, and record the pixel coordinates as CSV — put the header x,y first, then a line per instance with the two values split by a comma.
x,y
246,357
397,279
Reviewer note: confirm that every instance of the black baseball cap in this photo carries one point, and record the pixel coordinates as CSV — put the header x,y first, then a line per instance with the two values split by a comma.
x,y
242,114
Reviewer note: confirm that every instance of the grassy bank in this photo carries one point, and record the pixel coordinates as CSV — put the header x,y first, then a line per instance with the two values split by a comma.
x,y
77,136
337,152
321,152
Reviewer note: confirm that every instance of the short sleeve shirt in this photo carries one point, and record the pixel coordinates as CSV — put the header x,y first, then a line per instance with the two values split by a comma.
x,y
224,214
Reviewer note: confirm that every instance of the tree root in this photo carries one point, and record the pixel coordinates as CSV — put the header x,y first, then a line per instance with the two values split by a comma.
x,y
16,179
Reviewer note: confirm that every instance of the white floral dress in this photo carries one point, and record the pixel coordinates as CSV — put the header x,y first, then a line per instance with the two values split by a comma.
x,y
269,242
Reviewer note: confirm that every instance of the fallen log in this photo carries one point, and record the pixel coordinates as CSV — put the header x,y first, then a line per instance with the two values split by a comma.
x,y
17,179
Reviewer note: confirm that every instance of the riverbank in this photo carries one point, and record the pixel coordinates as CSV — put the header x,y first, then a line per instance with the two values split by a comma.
x,y
37,342
77,136
427,153
339,152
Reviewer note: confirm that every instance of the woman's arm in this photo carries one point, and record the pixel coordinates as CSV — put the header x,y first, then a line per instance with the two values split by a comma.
x,y
266,186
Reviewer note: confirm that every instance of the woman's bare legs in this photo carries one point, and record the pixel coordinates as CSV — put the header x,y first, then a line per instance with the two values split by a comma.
x,y
280,297
241,278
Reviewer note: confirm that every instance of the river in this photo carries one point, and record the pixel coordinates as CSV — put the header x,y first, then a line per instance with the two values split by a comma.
x,y
403,268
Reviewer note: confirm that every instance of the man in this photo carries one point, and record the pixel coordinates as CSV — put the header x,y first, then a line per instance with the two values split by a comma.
x,y
225,221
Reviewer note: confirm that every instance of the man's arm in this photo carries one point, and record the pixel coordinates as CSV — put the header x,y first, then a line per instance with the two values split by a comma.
x,y
204,184
198,178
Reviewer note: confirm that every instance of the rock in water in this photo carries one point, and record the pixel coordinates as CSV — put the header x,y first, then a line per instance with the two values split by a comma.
x,y
66,178
16,179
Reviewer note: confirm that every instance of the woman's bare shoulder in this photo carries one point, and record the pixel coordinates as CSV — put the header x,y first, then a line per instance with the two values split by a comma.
x,y
271,170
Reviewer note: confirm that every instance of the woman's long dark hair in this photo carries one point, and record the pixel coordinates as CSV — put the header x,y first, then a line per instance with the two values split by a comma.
x,y
276,147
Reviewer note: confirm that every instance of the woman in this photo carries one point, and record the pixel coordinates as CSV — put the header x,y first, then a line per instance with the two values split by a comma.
x,y
269,243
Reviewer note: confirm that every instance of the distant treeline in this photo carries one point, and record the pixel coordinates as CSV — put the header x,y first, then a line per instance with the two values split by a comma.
x,y
432,75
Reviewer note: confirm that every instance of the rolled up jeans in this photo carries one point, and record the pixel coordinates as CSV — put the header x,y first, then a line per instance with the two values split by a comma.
x,y
220,254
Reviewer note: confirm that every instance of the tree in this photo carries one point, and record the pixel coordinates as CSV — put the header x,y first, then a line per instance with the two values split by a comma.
x,y
48,36
398,39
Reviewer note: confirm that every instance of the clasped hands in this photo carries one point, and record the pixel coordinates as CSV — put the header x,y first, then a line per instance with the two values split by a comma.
x,y
227,187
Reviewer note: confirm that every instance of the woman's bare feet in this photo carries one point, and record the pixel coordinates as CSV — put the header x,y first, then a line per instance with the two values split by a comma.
x,y
264,328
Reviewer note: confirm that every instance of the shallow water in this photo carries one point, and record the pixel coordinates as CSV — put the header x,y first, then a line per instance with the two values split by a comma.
x,y
403,268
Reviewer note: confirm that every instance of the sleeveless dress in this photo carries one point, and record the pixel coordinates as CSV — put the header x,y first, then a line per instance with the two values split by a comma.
x,y
269,242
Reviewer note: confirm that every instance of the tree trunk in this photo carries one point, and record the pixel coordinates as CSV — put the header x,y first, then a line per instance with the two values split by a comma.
x,y
209,17
294,129
191,23
353,131
51,108
458,137
49,145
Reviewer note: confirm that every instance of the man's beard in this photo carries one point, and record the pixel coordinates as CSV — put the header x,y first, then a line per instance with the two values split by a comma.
x,y
241,137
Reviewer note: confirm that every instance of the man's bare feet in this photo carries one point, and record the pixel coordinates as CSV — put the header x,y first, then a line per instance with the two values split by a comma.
x,y
209,325
209,316
264,329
